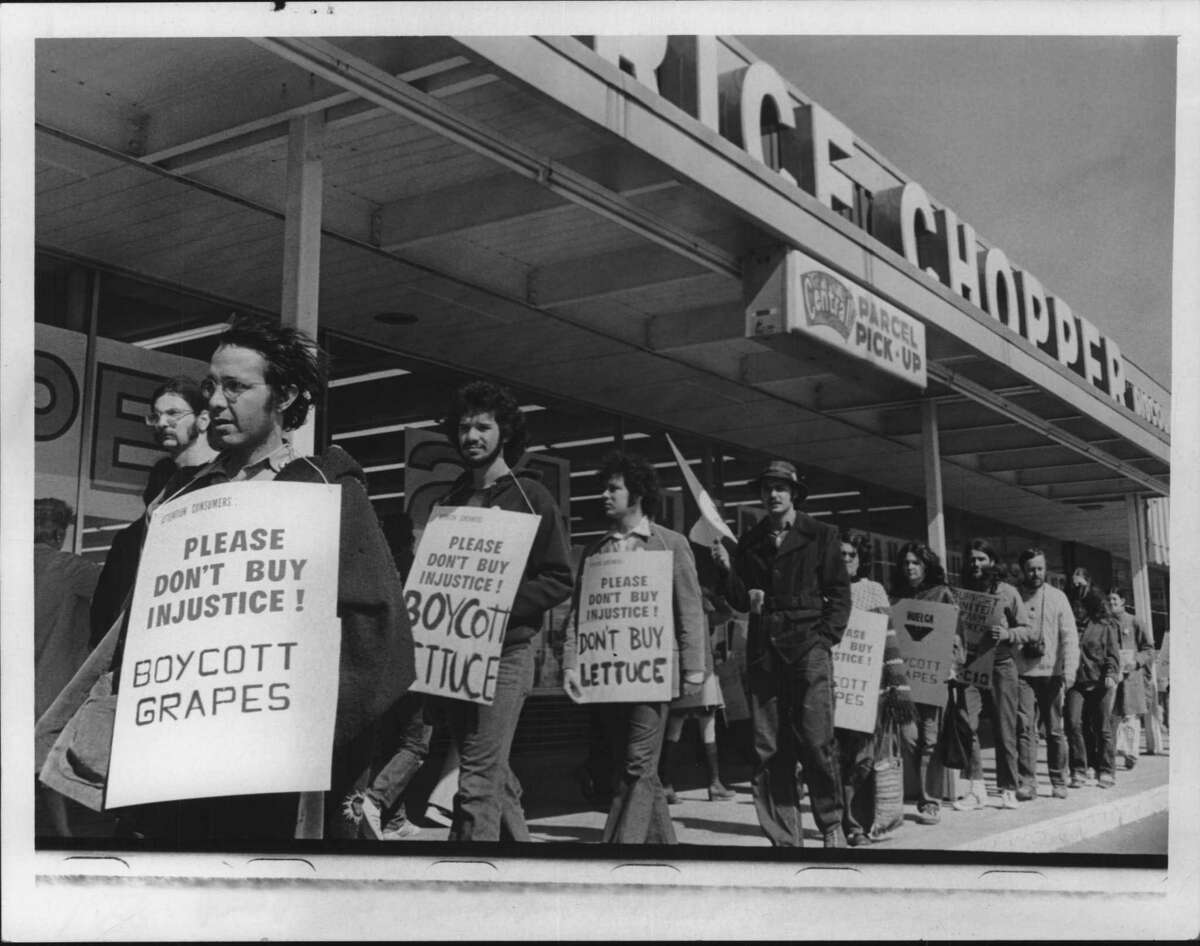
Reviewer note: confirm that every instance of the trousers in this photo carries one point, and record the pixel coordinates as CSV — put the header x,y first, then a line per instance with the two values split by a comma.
x,y
1089,730
1005,697
1043,696
791,705
639,812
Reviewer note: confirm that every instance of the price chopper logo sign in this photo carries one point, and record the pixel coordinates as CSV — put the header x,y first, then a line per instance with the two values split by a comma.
x,y
828,302
918,632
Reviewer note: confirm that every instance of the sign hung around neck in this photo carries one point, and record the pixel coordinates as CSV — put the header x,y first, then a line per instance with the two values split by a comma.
x,y
815,152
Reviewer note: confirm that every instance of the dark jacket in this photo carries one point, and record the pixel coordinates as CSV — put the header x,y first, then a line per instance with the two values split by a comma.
x,y
806,586
1099,653
547,577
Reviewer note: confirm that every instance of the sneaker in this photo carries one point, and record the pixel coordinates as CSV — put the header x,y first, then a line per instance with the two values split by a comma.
x,y
362,811
1106,780
857,839
929,813
1025,793
1077,780
439,815
1130,761
672,798
1008,798
1089,777
1059,791
400,831
834,837
974,799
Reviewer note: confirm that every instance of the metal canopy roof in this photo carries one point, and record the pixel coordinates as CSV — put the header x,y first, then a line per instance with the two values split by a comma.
x,y
536,244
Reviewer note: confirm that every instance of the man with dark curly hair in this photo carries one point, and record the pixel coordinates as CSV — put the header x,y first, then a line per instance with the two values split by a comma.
x,y
487,427
261,382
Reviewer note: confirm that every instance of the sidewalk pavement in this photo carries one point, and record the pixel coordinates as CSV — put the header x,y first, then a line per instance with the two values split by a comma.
x,y
555,811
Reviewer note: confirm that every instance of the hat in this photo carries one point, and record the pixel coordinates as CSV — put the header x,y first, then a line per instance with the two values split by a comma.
x,y
783,470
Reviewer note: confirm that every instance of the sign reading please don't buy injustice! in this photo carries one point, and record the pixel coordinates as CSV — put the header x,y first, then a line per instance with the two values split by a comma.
x,y
229,677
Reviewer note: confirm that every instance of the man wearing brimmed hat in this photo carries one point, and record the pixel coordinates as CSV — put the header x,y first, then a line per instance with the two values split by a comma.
x,y
788,573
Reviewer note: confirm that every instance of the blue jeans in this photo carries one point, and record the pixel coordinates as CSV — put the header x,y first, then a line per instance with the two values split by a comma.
x,y
1089,732
1043,696
929,730
639,812
405,747
792,708
488,802
1005,696
968,712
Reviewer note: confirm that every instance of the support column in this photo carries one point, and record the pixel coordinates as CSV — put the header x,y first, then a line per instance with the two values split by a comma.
x,y
935,519
1135,510
302,240
298,308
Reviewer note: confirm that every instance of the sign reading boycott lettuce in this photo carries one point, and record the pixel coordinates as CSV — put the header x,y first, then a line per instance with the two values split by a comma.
x,y
459,593
857,667
230,673
626,628
925,630
977,612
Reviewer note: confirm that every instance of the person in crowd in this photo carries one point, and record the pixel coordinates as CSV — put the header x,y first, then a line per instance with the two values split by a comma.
x,y
1090,699
1009,630
703,706
63,583
1137,652
639,813
1080,586
1162,666
1046,668
262,380
896,711
178,419
405,732
488,429
788,574
918,574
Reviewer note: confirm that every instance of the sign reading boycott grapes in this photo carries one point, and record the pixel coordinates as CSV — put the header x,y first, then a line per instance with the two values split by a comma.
x,y
459,594
229,676
857,668
925,631
625,635
978,611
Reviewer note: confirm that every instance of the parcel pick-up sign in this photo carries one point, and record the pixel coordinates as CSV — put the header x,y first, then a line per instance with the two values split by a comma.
x,y
977,612
857,669
459,594
925,631
626,628
229,677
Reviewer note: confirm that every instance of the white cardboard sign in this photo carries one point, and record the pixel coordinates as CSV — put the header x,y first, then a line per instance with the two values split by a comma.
x,y
230,671
857,668
925,630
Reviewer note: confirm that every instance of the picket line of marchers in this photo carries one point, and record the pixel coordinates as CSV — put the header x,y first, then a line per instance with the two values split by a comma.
x,y
249,672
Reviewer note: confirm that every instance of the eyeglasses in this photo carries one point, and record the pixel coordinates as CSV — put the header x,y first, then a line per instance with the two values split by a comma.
x,y
230,388
849,555
171,417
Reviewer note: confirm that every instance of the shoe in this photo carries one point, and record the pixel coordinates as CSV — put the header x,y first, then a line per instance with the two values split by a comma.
x,y
672,798
718,792
1089,777
857,839
1106,781
439,815
1026,794
974,799
1008,798
1059,791
1130,761
835,837
1077,780
370,818
401,831
929,813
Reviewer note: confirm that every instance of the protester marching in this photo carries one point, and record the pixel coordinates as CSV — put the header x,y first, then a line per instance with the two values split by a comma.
x,y
320,655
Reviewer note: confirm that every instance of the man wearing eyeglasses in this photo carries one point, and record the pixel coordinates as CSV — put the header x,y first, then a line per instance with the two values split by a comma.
x,y
261,382
178,419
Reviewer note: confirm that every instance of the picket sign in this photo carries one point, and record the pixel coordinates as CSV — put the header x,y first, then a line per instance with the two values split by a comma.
x,y
229,677
459,594
857,668
925,631
625,633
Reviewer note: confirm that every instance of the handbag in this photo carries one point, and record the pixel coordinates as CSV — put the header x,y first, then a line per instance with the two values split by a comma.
x,y
954,741
889,786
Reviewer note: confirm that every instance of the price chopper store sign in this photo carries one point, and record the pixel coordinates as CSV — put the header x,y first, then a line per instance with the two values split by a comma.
x,y
816,154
